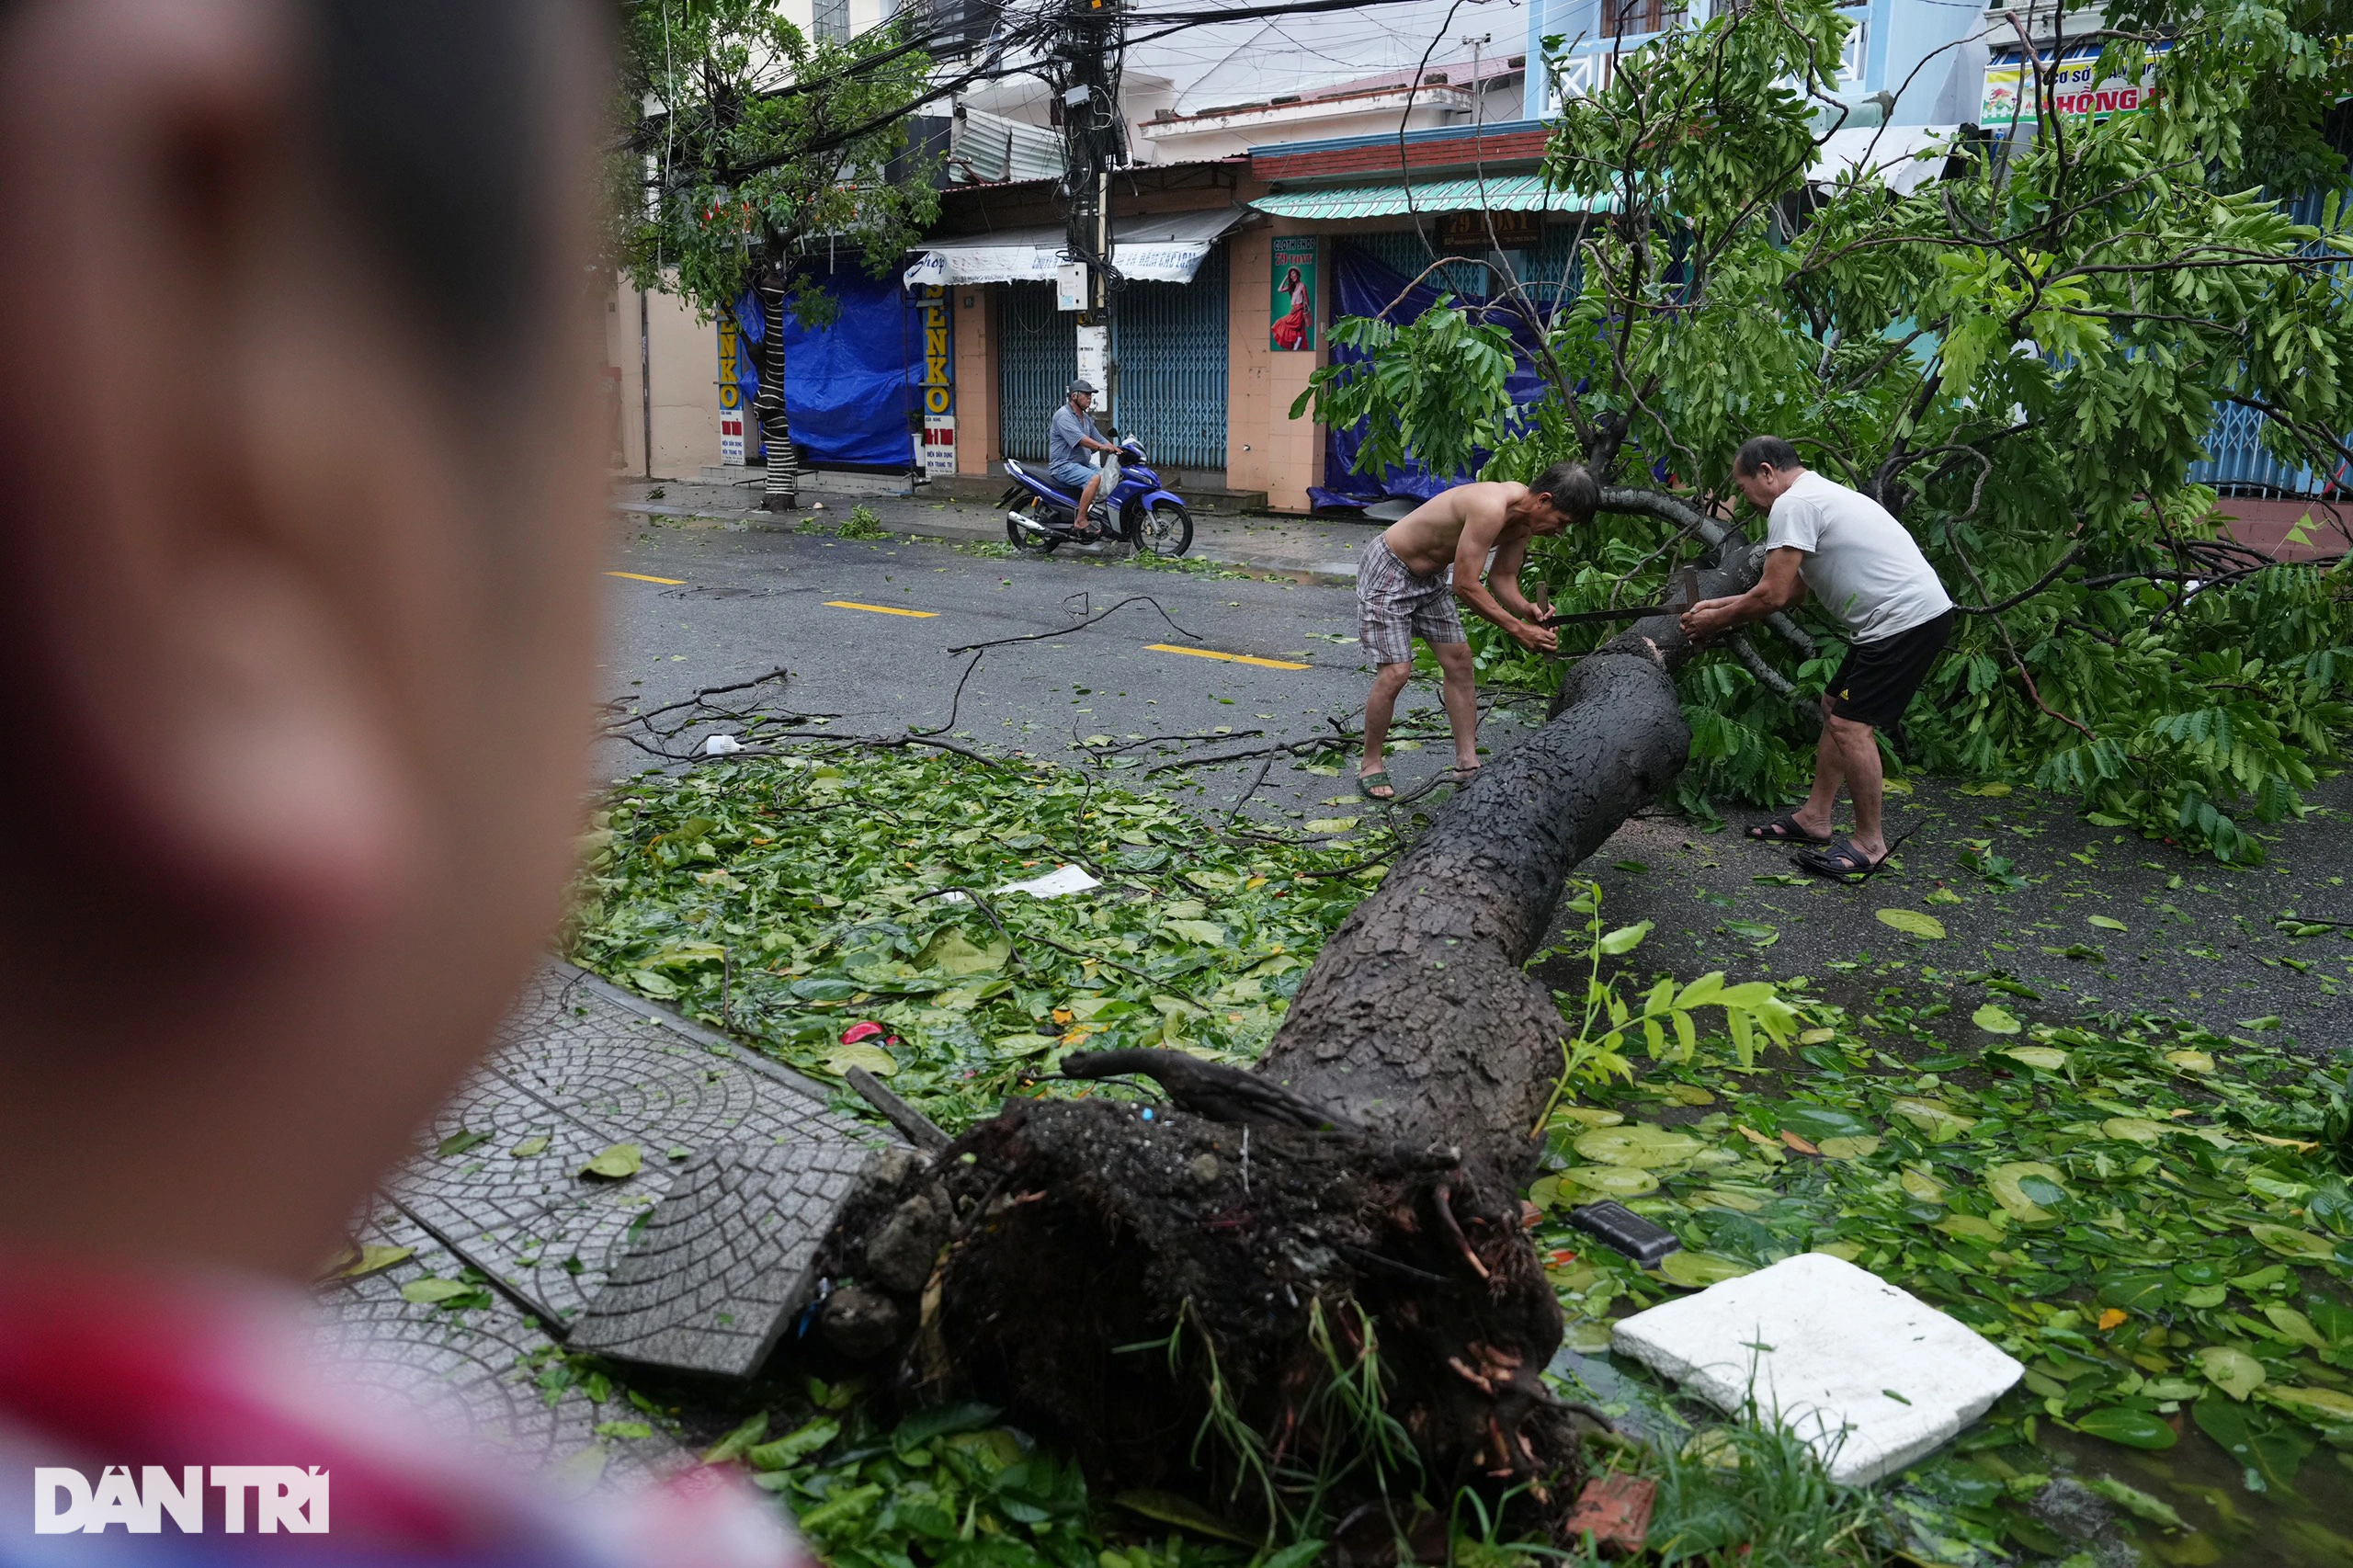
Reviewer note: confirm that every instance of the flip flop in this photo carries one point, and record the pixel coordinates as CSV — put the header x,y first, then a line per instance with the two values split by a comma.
x,y
1784,829
1846,863
1368,782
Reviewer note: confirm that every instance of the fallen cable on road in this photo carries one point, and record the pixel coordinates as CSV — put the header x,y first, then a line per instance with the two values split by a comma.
x,y
647,734
1091,620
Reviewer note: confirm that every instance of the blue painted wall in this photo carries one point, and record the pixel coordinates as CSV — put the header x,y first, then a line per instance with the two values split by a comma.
x,y
1927,52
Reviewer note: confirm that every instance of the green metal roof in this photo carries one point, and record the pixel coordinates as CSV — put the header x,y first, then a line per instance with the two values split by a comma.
x,y
1497,193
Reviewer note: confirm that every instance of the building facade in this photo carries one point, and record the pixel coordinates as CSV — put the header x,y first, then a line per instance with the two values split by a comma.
x,y
1241,228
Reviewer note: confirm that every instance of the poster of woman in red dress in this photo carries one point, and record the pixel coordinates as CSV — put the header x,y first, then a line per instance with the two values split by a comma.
x,y
1293,311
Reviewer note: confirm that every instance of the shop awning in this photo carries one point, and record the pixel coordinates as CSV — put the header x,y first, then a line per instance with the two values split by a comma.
x,y
1160,247
1497,193
1900,158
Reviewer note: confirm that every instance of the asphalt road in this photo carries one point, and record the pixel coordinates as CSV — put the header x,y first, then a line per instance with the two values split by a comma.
x,y
2199,941
744,601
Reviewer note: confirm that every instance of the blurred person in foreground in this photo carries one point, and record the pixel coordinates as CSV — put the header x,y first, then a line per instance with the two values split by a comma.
x,y
299,505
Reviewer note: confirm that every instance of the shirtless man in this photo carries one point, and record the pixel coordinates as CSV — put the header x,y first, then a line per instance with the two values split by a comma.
x,y
1410,575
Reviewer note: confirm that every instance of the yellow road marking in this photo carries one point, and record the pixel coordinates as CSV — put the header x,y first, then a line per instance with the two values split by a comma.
x,y
1229,658
642,577
882,610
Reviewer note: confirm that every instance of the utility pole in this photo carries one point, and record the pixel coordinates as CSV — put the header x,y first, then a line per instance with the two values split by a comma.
x,y
1084,69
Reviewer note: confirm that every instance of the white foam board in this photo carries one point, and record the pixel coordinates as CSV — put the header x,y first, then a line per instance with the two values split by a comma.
x,y
1868,1376
1059,883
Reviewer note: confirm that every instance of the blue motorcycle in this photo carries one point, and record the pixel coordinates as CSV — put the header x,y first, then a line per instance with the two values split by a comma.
x,y
1129,504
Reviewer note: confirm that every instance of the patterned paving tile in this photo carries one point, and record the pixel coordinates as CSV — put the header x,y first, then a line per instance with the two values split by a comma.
x,y
726,1259
698,1260
470,1373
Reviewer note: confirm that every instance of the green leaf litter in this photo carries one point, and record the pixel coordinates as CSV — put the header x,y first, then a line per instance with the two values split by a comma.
x,y
2144,1214
784,899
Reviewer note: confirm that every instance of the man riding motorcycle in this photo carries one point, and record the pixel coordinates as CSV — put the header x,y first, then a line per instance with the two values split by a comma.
x,y
1071,432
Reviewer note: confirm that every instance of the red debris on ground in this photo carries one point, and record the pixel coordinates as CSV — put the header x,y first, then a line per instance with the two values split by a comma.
x,y
1616,1511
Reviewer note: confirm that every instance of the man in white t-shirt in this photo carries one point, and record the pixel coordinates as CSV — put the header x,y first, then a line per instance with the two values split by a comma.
x,y
1869,576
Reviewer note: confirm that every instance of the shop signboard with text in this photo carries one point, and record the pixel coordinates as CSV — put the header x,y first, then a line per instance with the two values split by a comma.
x,y
936,450
2073,85
730,391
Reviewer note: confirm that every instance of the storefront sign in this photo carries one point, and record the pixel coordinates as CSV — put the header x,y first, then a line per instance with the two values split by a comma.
x,y
1483,232
1292,308
937,452
1095,363
2074,84
731,392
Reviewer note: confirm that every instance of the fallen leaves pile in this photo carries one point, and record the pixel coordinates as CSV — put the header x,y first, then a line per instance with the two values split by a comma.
x,y
2143,1215
789,899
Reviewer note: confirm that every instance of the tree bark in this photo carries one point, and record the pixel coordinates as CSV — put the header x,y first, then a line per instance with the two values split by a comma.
x,y
782,492
1196,1295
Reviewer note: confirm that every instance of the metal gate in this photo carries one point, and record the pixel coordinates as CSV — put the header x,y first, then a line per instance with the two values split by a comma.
x,y
1404,252
1037,357
1550,273
1169,342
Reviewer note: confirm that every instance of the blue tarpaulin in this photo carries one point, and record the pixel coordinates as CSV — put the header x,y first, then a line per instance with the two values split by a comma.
x,y
1362,286
851,388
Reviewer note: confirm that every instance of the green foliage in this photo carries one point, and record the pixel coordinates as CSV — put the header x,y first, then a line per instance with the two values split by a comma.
x,y
785,898
2138,1211
2022,359
943,1486
1424,389
1595,1052
1752,1495
2292,58
864,522
751,141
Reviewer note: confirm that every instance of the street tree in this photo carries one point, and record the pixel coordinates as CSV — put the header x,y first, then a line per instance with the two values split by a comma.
x,y
1324,1256
2021,359
1305,1294
753,146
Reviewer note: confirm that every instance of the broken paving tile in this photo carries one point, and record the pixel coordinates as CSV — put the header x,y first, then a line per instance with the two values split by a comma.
x,y
725,1258
466,1374
581,1069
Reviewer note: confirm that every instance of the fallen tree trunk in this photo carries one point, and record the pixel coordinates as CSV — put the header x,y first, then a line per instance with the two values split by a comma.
x,y
1305,1295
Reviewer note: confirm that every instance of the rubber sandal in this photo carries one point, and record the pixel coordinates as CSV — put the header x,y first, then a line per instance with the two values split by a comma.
x,y
1461,777
1368,782
1784,829
1846,863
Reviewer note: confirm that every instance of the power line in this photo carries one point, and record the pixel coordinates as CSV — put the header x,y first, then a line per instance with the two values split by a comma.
x,y
1034,32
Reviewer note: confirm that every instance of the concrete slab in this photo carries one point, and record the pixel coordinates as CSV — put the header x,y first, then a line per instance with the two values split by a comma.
x,y
1870,1377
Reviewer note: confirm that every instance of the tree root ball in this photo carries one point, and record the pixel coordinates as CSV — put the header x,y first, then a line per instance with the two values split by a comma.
x,y
1202,1307
862,1325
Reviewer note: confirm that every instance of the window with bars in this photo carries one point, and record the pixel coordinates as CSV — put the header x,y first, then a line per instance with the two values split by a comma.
x,y
832,20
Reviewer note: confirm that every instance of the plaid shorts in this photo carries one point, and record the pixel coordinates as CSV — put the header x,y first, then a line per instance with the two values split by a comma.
x,y
1397,606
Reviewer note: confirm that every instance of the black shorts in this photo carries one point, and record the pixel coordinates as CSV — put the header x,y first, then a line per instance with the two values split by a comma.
x,y
1876,682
